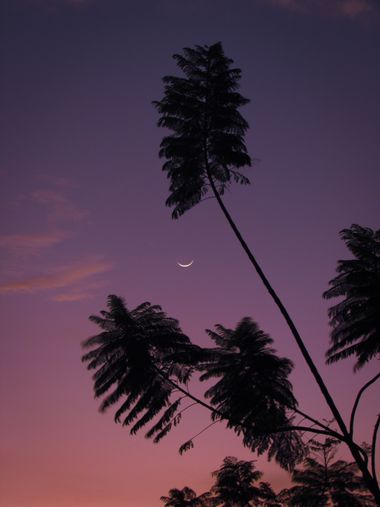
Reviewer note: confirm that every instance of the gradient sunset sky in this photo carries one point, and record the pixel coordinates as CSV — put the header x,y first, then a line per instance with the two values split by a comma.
x,y
83,216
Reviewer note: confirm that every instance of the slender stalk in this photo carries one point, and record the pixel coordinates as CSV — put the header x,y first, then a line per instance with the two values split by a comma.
x,y
283,311
359,395
373,453
369,480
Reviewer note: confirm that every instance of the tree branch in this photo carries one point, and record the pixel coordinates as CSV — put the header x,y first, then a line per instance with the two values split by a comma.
x,y
237,423
355,405
333,433
373,453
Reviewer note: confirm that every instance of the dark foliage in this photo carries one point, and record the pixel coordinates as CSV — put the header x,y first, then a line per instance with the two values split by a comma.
x,y
201,108
185,497
323,481
142,359
253,391
133,367
268,498
355,320
234,483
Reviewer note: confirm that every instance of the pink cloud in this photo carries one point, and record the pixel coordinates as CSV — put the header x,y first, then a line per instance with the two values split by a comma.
x,y
348,8
60,208
30,243
75,296
85,291
65,276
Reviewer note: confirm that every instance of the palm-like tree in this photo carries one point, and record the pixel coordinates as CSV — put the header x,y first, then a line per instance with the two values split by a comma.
x,y
355,320
235,484
143,362
207,147
253,391
131,359
324,482
205,152
185,497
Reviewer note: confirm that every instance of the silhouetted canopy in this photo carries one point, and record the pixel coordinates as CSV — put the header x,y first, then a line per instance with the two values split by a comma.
x,y
253,391
324,482
201,108
143,362
131,360
355,320
235,484
185,497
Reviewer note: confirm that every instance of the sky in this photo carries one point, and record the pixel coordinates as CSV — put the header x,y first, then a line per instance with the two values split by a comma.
x,y
83,216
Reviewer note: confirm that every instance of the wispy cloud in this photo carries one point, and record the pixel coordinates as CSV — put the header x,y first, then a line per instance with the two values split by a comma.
x,y
64,276
48,219
347,8
30,244
71,296
85,291
59,207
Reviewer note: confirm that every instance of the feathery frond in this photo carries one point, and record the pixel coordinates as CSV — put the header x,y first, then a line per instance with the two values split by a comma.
x,y
132,364
253,391
201,109
322,481
235,483
355,320
185,497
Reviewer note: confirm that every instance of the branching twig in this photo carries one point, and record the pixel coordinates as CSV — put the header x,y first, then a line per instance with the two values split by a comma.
x,y
204,429
334,434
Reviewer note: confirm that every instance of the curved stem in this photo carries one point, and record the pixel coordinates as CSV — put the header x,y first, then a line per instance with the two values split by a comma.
x,y
359,395
369,480
186,408
373,453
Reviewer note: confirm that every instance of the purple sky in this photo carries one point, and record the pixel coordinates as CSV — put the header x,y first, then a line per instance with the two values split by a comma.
x,y
83,216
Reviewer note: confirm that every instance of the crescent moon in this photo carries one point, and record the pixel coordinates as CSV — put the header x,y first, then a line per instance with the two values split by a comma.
x,y
185,265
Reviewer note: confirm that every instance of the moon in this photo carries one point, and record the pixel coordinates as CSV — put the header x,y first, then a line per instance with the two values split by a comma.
x,y
185,265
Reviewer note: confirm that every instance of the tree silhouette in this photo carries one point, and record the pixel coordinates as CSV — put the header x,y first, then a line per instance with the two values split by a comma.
x,y
203,153
235,484
143,361
130,357
268,498
207,146
323,481
355,320
185,497
253,391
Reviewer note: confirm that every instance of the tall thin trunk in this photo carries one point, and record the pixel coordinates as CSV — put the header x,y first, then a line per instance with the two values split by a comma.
x,y
369,480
